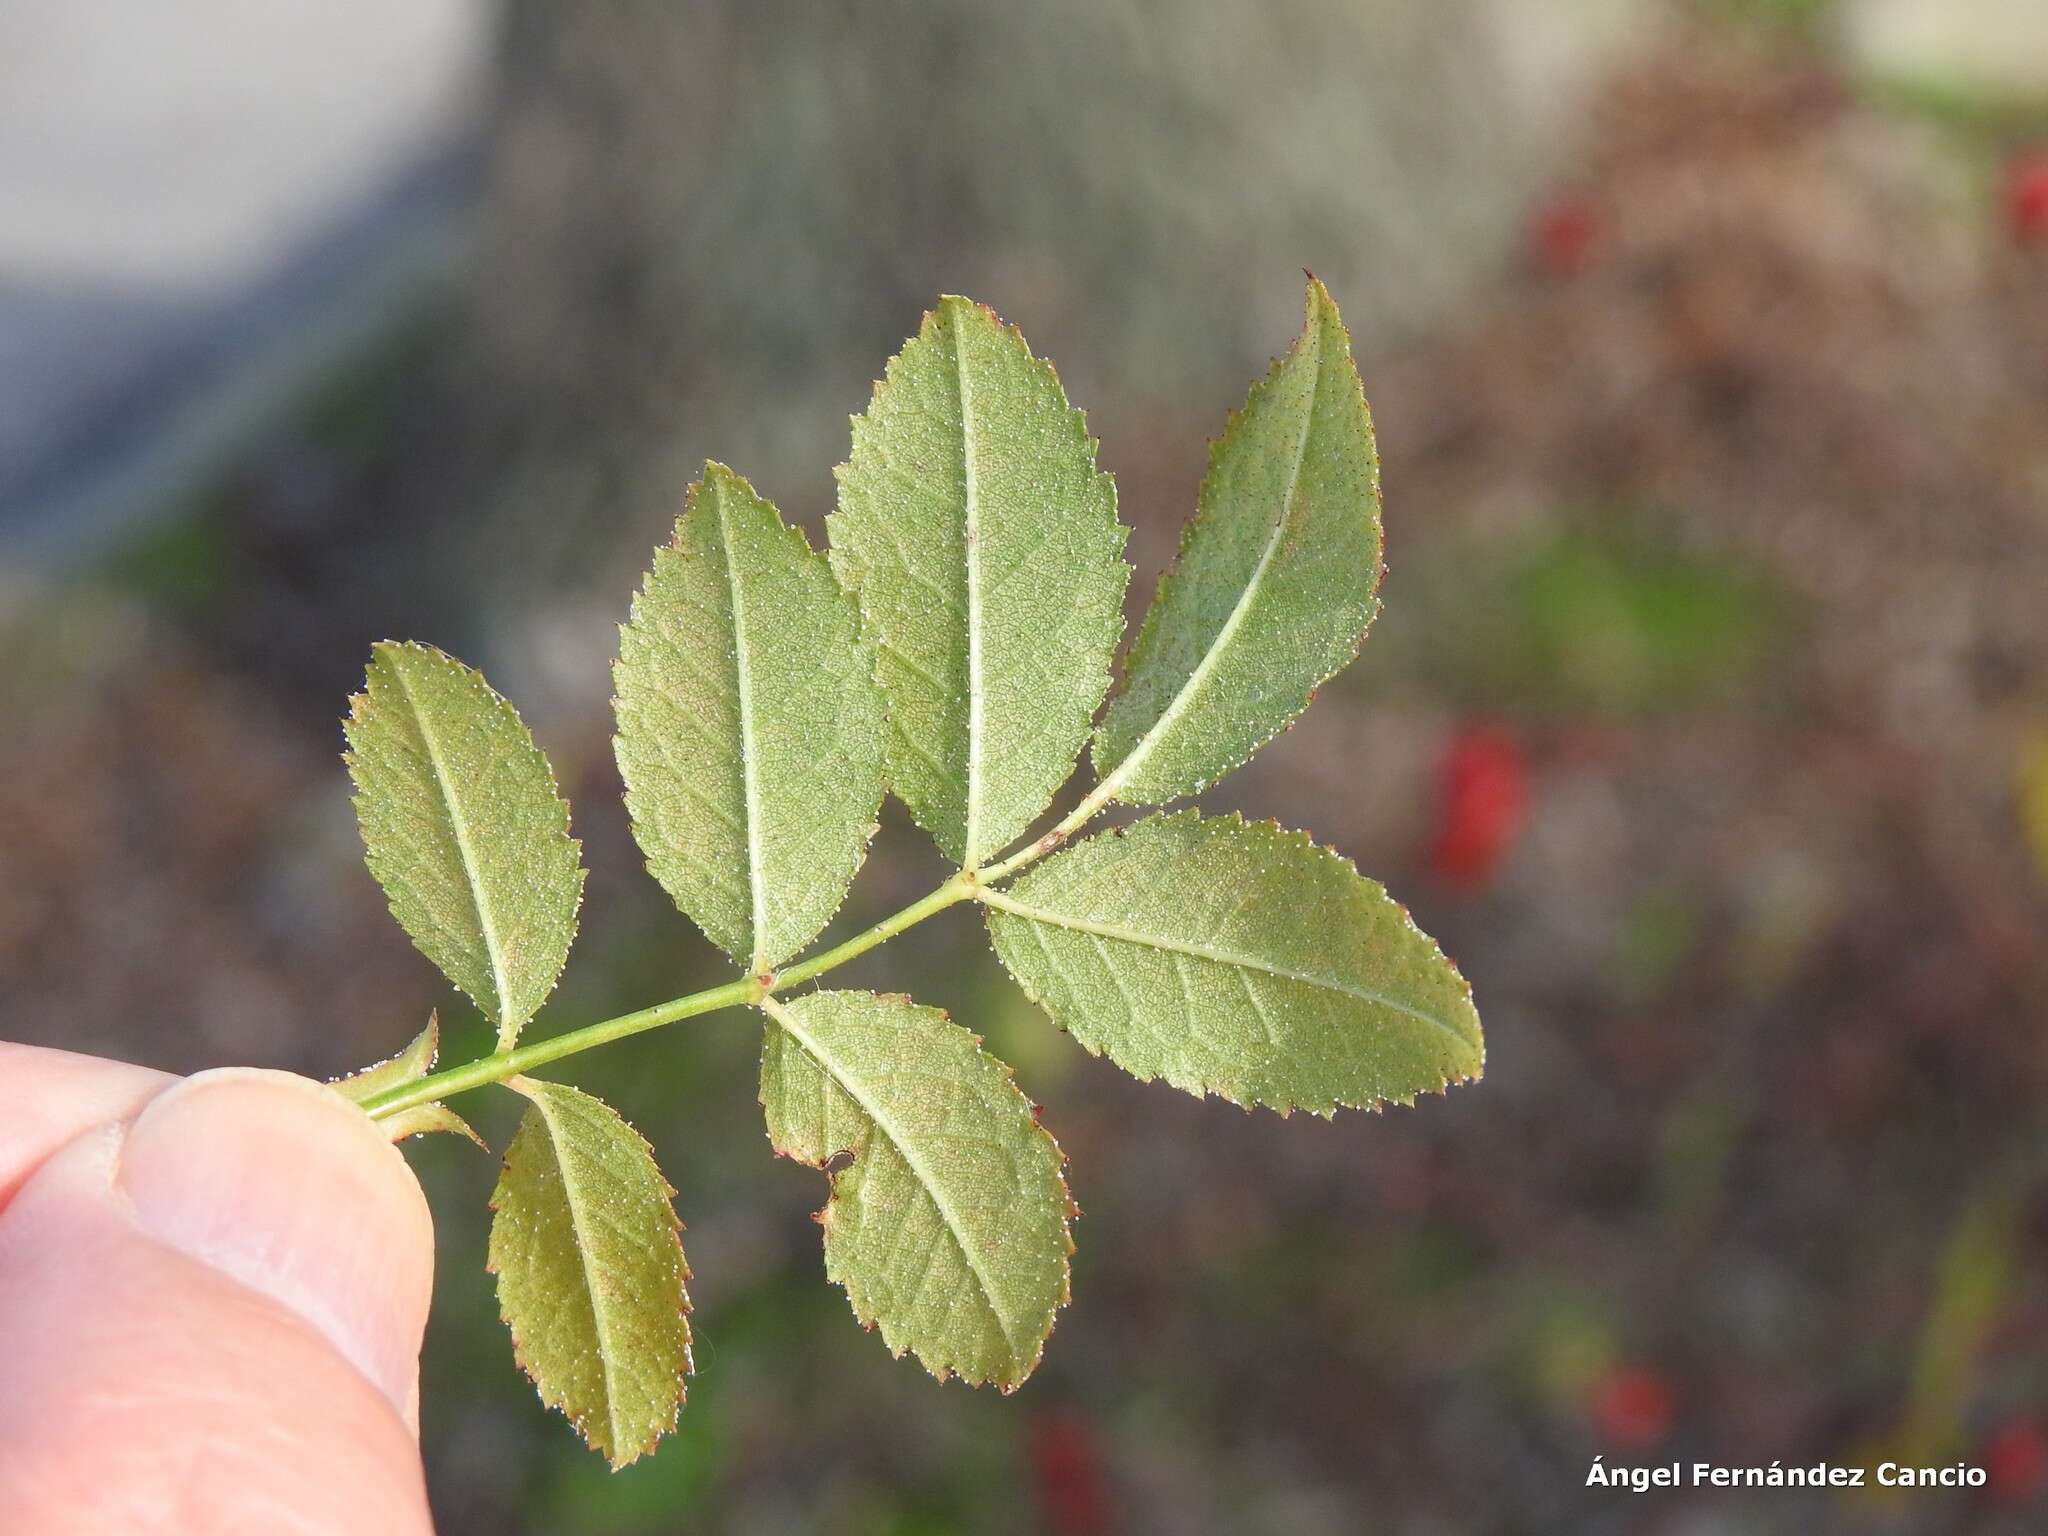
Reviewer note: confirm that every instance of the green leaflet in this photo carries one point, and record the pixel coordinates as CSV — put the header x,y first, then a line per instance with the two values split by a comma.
x,y
464,829
750,726
949,1227
591,1278
984,546
1275,581
1239,960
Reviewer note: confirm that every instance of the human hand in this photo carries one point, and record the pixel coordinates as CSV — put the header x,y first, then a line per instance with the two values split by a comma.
x,y
212,1292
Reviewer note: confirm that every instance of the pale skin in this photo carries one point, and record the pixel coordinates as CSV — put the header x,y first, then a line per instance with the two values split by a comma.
x,y
212,1293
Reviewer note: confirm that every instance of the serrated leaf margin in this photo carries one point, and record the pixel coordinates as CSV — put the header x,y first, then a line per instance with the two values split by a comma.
x,y
836,1163
618,1457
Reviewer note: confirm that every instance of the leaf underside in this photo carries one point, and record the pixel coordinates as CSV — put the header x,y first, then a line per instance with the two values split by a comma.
x,y
750,728
949,1227
464,829
984,546
1275,583
1241,960
591,1279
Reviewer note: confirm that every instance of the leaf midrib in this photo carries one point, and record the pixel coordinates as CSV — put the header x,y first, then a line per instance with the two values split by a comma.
x,y
571,1194
971,558
471,871
1214,954
787,1019
750,769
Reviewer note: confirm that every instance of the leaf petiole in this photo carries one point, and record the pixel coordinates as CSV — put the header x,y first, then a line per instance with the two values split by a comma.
x,y
957,889
745,992
503,1064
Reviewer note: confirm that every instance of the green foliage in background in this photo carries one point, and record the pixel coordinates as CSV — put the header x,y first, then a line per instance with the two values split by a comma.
x,y
1597,616
954,648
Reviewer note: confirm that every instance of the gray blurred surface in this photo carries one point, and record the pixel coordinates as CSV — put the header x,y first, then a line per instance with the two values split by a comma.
x,y
201,208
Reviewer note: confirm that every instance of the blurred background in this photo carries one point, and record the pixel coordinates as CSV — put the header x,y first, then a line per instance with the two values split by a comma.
x,y
1706,724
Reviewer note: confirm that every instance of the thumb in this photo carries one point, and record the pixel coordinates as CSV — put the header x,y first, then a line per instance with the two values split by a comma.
x,y
211,1320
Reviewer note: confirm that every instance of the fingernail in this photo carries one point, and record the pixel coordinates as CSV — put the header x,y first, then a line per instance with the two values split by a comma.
x,y
276,1181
